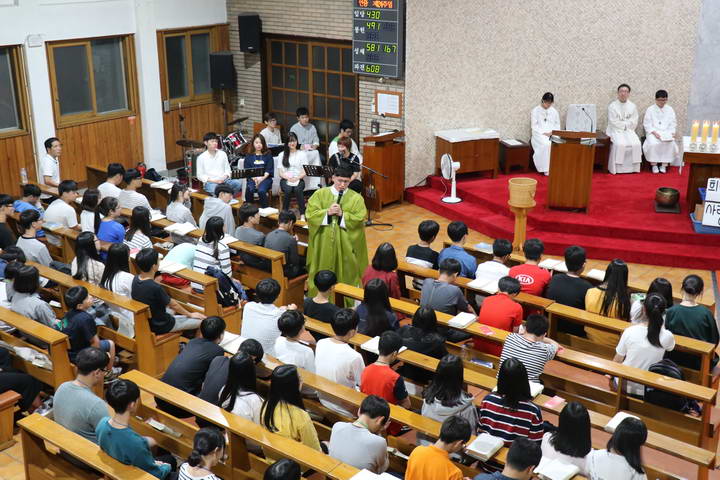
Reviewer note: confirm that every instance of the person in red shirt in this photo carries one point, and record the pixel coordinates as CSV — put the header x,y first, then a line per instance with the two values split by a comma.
x,y
380,379
533,279
500,311
383,266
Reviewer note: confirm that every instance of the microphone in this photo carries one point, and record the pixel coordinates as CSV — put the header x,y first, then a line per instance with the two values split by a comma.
x,y
589,117
340,195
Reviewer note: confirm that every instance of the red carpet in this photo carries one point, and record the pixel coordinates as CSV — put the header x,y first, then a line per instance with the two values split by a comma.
x,y
621,221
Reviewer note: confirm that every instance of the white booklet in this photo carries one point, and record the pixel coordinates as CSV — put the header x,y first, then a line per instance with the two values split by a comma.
x,y
373,345
266,212
181,228
616,420
162,184
365,474
487,286
552,264
554,469
170,267
484,447
596,274
156,215
227,238
484,247
535,389
462,320
231,342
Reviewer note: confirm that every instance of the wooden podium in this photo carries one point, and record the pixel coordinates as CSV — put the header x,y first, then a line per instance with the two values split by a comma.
x,y
702,165
571,168
387,156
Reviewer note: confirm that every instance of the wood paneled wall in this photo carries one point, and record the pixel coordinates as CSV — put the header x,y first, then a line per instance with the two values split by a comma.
x,y
99,143
201,116
15,153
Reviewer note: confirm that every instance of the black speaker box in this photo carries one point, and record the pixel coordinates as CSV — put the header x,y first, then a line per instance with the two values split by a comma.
x,y
222,70
250,28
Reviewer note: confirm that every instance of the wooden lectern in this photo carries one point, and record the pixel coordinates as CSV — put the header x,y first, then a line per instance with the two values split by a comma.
x,y
387,156
571,168
702,166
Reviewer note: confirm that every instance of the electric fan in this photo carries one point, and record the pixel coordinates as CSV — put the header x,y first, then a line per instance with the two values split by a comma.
x,y
448,168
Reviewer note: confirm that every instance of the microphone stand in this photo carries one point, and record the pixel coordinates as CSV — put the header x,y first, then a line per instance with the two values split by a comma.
x,y
369,222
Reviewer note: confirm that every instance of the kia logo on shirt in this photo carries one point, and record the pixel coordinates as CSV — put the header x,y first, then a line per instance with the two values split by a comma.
x,y
525,279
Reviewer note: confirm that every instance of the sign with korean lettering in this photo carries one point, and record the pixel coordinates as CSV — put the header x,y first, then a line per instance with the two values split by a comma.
x,y
378,37
711,206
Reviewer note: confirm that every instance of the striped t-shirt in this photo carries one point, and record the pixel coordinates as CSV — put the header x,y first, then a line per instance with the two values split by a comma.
x,y
500,421
184,474
534,355
139,241
204,258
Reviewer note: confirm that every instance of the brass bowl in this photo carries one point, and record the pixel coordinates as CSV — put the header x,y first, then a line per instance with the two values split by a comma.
x,y
667,196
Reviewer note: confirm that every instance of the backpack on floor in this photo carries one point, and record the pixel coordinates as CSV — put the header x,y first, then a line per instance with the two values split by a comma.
x,y
664,398
228,293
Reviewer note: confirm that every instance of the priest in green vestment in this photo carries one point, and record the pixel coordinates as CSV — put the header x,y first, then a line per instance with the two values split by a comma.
x,y
336,222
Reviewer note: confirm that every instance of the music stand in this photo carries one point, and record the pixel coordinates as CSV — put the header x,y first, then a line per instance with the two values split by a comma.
x,y
371,192
249,172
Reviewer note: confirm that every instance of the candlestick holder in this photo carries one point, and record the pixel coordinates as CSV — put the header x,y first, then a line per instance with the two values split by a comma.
x,y
693,146
703,147
713,148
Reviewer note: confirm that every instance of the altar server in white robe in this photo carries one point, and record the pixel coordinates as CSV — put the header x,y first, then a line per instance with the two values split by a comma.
x,y
660,148
625,151
543,120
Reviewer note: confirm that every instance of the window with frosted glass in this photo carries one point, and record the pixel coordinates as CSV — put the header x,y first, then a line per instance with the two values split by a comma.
x,y
200,50
109,73
9,115
176,66
72,76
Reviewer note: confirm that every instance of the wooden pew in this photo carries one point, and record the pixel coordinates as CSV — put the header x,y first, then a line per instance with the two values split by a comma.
x,y
635,286
240,463
158,198
57,350
41,462
154,353
684,427
8,402
698,456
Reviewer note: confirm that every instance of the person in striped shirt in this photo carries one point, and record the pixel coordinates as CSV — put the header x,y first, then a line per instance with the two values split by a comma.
x,y
532,347
130,198
509,413
208,450
211,250
138,235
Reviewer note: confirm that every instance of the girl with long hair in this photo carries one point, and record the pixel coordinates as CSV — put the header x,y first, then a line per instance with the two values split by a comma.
x,y
509,413
422,337
622,459
571,442
211,251
283,412
208,450
374,312
612,297
178,211
107,228
90,201
259,156
662,287
87,264
384,265
117,279
291,173
445,396
239,395
139,233
645,343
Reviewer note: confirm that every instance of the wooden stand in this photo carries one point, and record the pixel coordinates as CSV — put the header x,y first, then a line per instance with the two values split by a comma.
x,y
387,156
521,214
571,168
702,165
473,155
515,156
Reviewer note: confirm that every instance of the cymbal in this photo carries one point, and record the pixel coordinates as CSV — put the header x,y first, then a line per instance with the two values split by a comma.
x,y
186,143
238,120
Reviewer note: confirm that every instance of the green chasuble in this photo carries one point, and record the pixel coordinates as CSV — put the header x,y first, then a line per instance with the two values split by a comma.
x,y
331,246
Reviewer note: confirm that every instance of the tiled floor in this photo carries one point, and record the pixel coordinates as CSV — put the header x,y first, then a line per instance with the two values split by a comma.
x,y
405,218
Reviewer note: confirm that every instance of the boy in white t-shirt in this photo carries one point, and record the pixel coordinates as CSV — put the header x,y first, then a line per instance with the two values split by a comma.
x,y
288,348
346,131
260,318
61,211
271,132
213,167
336,360
50,164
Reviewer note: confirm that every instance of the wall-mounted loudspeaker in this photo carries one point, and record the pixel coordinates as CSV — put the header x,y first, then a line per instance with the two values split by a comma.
x,y
222,70
250,28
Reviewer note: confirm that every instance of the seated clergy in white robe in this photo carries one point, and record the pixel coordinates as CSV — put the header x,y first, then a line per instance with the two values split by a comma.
x,y
543,120
660,148
625,151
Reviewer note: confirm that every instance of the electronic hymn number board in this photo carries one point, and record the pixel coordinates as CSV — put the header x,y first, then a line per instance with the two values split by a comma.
x,y
378,37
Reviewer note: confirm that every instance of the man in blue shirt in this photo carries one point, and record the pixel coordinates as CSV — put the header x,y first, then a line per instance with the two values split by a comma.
x,y
458,232
30,200
522,458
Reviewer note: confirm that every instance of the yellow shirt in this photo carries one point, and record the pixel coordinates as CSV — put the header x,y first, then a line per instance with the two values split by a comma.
x,y
594,300
431,463
295,423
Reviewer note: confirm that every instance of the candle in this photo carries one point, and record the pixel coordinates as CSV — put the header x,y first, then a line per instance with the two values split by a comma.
x,y
694,131
704,134
715,132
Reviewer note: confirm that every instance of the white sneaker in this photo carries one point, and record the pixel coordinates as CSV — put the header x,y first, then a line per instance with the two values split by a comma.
x,y
662,169
655,169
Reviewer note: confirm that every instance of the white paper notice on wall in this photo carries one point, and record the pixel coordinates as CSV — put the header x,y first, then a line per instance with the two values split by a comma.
x,y
388,103
712,192
711,214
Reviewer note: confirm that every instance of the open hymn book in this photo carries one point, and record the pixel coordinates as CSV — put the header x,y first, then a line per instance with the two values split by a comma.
x,y
552,264
181,228
554,469
484,447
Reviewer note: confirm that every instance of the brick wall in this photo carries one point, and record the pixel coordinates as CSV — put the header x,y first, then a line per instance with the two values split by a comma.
x,y
329,19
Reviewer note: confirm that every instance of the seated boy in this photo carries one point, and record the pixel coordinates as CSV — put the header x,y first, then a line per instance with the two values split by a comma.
x,y
111,186
496,268
569,289
288,348
219,206
282,239
260,318
458,232
533,348
187,372
120,441
433,461
130,197
61,211
30,200
346,131
30,223
500,311
307,135
247,232
148,291
336,360
380,379
271,132
533,279
320,307
213,167
443,296
421,254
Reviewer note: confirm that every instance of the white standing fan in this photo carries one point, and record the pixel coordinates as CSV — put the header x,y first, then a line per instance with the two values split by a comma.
x,y
448,169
